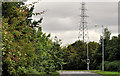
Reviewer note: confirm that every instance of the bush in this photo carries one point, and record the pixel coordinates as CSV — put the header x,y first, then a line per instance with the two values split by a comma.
x,y
112,66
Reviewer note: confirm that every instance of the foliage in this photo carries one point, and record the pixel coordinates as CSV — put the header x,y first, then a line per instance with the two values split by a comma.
x,y
25,51
112,66
16,41
75,55
111,49
106,73
49,53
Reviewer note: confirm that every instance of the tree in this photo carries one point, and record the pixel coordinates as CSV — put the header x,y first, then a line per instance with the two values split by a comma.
x,y
16,35
92,48
75,56
18,39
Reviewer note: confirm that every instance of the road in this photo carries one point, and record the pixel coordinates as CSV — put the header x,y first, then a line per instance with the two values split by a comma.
x,y
77,73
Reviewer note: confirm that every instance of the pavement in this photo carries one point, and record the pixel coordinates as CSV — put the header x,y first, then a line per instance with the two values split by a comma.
x,y
77,73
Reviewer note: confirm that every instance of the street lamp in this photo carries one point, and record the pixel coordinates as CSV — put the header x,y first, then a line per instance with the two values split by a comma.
x,y
88,60
102,47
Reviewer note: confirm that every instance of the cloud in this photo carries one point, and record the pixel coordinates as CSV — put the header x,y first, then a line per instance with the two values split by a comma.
x,y
62,19
69,37
104,13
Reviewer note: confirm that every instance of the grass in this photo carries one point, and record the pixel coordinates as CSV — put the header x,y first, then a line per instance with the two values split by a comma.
x,y
106,73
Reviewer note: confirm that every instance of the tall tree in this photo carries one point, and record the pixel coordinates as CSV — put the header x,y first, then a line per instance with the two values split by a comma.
x,y
16,35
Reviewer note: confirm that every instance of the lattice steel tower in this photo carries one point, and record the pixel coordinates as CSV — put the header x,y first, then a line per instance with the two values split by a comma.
x,y
83,30
83,33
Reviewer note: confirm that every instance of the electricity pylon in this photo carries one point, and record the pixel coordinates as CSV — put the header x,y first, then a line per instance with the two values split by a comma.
x,y
83,29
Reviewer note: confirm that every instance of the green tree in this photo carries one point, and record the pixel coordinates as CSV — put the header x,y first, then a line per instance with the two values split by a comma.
x,y
16,35
92,48
49,53
76,56
18,51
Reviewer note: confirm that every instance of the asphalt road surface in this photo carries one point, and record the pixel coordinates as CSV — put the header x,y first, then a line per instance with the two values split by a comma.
x,y
78,73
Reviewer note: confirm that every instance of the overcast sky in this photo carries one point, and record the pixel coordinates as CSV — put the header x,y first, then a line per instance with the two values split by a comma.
x,y
62,19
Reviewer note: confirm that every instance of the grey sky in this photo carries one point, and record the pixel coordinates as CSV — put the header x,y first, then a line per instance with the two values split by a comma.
x,y
62,19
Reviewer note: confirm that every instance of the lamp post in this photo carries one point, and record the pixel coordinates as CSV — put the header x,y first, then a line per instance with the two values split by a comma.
x,y
102,47
88,60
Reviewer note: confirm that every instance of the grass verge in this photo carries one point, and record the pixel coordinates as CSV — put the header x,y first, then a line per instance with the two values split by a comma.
x,y
106,73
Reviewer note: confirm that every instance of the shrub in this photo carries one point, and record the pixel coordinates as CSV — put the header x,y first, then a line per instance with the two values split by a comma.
x,y
112,66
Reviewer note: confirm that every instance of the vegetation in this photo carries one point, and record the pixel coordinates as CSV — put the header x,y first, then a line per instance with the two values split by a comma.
x,y
75,54
27,51
106,73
